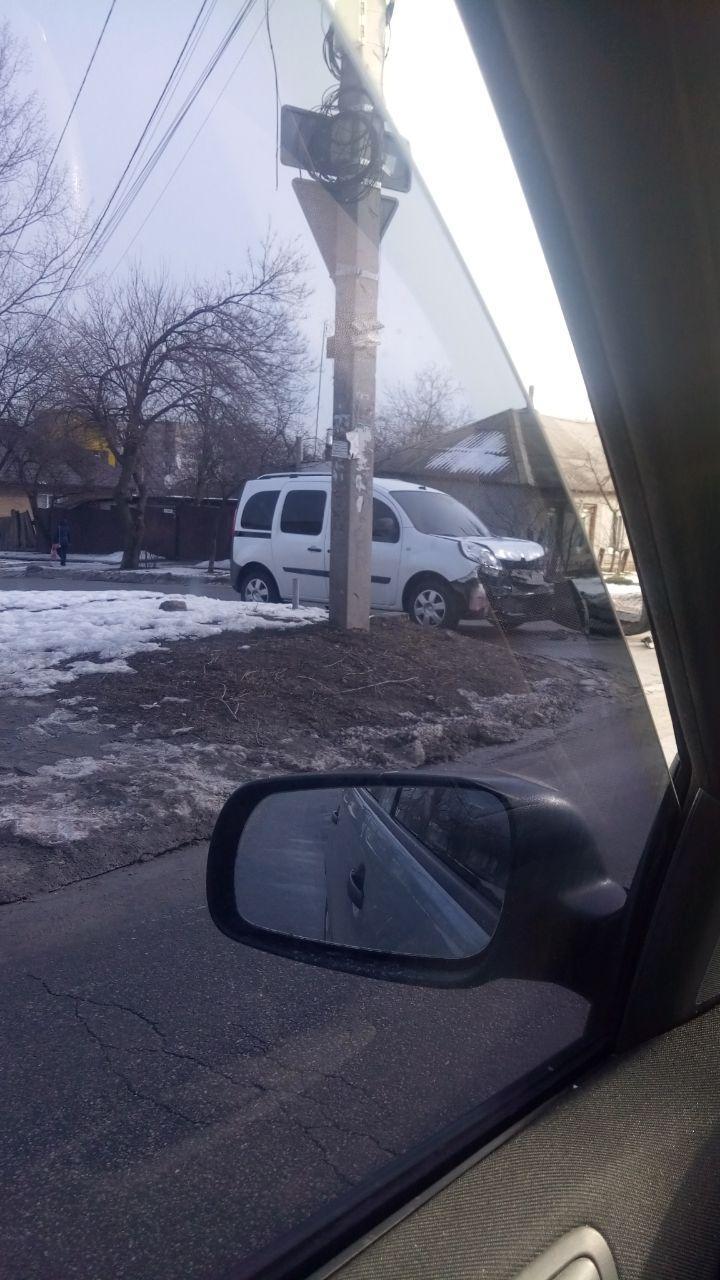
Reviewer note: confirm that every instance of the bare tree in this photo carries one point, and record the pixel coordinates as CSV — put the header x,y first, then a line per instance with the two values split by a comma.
x,y
37,443
418,410
230,436
141,352
38,232
592,475
39,240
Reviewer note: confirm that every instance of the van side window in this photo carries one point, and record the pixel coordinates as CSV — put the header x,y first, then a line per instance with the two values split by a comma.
x,y
385,526
303,512
259,510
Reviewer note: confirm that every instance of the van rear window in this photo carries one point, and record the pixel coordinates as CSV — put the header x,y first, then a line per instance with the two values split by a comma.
x,y
259,510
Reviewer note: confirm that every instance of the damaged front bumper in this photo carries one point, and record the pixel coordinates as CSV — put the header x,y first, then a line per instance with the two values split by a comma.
x,y
526,598
475,602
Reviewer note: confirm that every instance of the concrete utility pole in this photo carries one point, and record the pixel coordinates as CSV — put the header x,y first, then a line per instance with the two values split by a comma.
x,y
362,26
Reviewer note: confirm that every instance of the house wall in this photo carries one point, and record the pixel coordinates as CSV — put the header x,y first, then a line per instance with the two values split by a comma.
x,y
520,511
13,499
606,532
17,530
544,516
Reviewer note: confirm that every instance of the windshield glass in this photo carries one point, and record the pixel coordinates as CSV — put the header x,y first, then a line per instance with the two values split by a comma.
x,y
227,305
438,513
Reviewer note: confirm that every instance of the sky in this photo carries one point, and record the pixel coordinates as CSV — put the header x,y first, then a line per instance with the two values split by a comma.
x,y
215,190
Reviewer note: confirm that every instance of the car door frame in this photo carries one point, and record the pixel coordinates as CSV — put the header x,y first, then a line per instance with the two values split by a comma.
x,y
386,562
293,559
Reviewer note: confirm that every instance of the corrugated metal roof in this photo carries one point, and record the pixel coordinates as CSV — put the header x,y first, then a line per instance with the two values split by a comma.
x,y
482,453
579,452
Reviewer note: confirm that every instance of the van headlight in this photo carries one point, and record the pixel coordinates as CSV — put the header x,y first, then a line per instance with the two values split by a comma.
x,y
480,555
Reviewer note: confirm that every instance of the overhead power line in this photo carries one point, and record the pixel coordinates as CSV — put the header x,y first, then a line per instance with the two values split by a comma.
x,y
91,240
63,131
192,142
182,66
89,245
138,181
81,86
277,93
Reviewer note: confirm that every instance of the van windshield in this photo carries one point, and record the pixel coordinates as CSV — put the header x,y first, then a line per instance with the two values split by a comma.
x,y
434,512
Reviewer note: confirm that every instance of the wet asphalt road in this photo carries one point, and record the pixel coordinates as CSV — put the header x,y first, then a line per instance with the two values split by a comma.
x,y
173,1102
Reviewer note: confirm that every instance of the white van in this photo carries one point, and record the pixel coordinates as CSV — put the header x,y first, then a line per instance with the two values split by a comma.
x,y
430,555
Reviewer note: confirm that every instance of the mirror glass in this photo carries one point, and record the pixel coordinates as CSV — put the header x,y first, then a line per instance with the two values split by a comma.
x,y
413,870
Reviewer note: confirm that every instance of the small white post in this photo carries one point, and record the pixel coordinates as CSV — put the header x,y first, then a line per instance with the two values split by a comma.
x,y
296,593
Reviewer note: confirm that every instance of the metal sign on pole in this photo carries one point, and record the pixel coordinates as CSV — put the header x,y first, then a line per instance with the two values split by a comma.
x,y
315,141
322,211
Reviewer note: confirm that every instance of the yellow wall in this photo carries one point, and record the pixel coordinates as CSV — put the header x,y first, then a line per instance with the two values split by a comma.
x,y
13,500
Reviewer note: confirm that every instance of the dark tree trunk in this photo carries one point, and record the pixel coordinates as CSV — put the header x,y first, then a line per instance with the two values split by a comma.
x,y
214,540
132,517
134,540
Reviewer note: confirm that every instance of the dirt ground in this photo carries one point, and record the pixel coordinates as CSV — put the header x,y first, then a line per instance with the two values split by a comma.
x,y
119,768
398,693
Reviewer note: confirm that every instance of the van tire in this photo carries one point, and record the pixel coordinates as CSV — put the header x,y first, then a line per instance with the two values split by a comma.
x,y
257,585
431,602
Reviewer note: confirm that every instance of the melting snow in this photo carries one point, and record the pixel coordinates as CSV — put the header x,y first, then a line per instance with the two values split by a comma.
x,y
50,638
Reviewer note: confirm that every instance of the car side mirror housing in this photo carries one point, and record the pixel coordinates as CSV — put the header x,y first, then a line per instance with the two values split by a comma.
x,y
410,877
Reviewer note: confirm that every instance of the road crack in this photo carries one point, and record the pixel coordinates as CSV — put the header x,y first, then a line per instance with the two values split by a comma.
x,y
282,1097
108,1047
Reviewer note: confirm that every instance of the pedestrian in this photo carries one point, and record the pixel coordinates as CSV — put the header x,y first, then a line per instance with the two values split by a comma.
x,y
63,539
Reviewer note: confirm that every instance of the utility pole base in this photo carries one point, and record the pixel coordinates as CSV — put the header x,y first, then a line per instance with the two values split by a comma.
x,y
351,512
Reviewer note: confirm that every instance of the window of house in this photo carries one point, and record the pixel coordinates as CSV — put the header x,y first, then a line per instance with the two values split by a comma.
x,y
588,517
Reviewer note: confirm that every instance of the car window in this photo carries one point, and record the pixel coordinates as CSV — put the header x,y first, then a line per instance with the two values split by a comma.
x,y
210,274
385,523
303,512
439,513
259,510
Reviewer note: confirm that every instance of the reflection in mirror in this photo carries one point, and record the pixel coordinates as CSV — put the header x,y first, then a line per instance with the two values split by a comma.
x,y
414,870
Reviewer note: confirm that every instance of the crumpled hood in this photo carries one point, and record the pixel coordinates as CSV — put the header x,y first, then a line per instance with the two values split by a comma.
x,y
514,550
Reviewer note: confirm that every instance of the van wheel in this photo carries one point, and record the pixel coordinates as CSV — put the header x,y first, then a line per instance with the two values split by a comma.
x,y
258,586
433,603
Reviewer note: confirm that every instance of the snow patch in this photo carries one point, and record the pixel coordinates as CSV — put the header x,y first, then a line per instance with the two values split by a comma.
x,y
50,638
88,668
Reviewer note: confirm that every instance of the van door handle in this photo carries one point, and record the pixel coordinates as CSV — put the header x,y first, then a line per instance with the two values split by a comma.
x,y
316,549
356,886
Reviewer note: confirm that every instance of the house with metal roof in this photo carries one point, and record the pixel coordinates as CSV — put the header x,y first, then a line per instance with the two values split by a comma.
x,y
515,470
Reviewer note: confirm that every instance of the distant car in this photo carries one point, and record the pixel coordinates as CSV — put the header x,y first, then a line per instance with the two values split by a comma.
x,y
603,614
431,556
420,870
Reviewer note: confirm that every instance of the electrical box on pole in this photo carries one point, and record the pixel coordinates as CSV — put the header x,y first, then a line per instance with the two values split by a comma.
x,y
350,157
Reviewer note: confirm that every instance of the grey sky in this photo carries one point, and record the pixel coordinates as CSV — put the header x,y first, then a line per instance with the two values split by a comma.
x,y
223,197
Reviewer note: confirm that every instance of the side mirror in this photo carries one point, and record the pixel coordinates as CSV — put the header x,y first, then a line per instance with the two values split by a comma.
x,y
414,878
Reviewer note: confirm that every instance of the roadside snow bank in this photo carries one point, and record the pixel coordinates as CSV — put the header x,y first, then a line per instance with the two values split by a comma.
x,y
51,638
